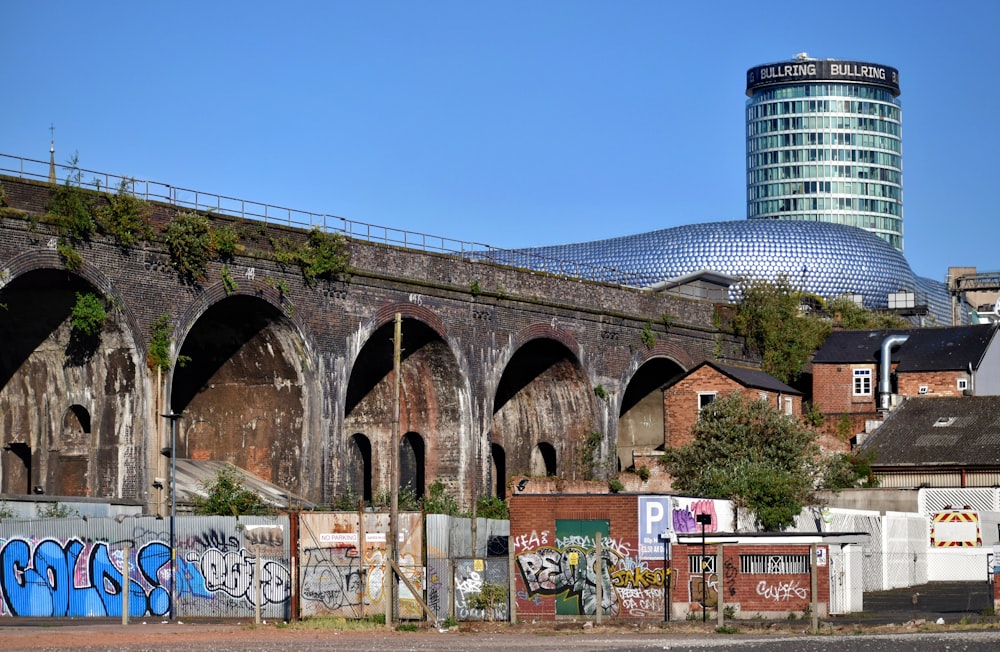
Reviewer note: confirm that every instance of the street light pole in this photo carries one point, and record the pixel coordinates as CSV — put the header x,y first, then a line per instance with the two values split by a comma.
x,y
703,520
173,417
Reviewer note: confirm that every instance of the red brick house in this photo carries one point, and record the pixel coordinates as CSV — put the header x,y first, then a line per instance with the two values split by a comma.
x,y
684,398
861,375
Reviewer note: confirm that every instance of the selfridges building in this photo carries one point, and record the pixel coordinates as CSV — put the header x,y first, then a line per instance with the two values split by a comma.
x,y
824,197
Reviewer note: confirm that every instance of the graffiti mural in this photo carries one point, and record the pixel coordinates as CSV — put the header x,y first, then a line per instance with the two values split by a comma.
x,y
630,587
55,574
74,579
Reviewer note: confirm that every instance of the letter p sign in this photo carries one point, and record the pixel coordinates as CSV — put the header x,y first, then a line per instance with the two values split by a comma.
x,y
654,518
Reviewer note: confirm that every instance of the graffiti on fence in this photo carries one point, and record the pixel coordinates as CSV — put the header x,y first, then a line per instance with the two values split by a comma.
x,y
77,577
731,573
469,583
630,586
73,578
781,591
333,579
531,540
707,597
571,572
232,573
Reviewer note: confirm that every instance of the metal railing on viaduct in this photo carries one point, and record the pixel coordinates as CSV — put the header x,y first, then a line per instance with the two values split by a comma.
x,y
197,200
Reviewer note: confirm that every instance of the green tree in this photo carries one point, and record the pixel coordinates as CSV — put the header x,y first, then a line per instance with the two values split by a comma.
x,y
745,450
849,470
770,320
227,496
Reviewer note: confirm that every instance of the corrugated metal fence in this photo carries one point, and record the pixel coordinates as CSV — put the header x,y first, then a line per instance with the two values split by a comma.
x,y
463,557
75,567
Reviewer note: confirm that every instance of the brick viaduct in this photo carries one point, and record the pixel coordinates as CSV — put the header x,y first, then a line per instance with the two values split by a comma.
x,y
502,370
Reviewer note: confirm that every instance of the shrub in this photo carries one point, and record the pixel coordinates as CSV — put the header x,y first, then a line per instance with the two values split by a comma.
x,y
492,507
491,599
125,218
438,501
71,207
159,345
70,256
228,282
88,314
227,496
226,242
189,239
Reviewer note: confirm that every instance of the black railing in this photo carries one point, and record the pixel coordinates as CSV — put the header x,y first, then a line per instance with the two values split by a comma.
x,y
196,200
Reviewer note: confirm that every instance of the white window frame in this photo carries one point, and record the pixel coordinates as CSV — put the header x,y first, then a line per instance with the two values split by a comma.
x,y
703,404
861,381
962,384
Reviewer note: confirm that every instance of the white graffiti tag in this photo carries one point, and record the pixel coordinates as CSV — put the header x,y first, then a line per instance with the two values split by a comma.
x,y
782,591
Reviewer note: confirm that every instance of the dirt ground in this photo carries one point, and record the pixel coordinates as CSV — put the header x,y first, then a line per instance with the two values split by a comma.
x,y
35,635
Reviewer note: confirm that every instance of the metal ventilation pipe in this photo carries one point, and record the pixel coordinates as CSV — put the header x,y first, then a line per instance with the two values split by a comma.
x,y
885,370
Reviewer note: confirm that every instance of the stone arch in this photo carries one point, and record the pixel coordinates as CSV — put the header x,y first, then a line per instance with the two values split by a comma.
x,y
359,466
249,394
544,395
434,391
543,459
641,412
498,471
411,463
44,371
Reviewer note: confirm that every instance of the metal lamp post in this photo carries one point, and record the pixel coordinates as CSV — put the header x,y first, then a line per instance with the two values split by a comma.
x,y
173,417
703,520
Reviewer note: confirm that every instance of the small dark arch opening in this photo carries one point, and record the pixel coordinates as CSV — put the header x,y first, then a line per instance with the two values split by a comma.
x,y
17,468
77,414
359,461
543,459
498,467
411,463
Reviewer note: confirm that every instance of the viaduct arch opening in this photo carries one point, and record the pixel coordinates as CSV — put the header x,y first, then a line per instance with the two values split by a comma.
x,y
431,445
642,418
246,392
542,414
69,403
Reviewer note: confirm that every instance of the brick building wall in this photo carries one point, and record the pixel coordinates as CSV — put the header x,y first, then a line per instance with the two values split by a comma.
x,y
936,383
547,586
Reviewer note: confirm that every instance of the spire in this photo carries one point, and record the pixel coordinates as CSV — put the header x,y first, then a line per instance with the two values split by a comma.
x,y
52,155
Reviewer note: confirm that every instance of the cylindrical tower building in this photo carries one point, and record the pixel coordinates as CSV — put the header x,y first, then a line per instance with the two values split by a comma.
x,y
824,144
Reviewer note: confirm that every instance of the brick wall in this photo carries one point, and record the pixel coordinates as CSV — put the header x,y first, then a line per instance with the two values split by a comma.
x,y
938,383
633,587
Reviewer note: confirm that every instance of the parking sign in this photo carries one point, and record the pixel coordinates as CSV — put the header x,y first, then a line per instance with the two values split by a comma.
x,y
654,519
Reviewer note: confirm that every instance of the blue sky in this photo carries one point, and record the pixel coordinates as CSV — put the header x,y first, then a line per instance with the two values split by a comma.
x,y
507,123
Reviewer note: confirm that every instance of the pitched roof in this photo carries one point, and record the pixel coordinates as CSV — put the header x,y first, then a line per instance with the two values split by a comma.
x,y
856,346
927,349
746,376
948,431
945,349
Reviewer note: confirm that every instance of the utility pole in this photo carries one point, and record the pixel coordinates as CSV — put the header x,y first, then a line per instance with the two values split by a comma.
x,y
397,336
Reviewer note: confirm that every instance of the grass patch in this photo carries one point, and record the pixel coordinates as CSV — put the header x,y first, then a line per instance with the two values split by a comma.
x,y
339,624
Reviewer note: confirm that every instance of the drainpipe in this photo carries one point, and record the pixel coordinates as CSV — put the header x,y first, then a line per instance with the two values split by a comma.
x,y
884,380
